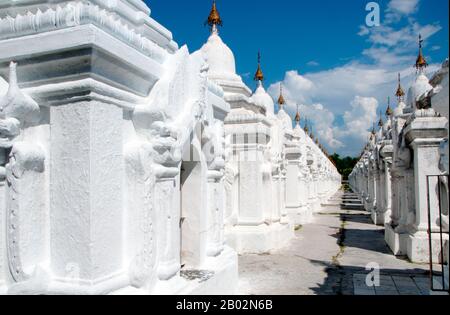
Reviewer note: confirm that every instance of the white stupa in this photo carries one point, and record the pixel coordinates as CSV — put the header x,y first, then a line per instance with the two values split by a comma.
x,y
261,98
220,58
298,131
380,133
422,84
282,115
400,94
389,113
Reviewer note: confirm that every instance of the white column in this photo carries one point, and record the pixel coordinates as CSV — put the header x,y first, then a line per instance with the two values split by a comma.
x,y
388,191
2,234
424,135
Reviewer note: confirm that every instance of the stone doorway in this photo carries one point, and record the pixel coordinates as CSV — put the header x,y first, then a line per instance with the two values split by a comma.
x,y
193,207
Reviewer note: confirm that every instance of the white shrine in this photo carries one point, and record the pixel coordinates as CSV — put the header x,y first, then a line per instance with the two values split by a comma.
x,y
393,175
129,165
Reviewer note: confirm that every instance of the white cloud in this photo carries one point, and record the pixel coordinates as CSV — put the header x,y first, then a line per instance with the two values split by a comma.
x,y
356,91
313,63
297,88
361,116
435,48
342,102
384,56
363,30
397,9
404,7
389,36
322,120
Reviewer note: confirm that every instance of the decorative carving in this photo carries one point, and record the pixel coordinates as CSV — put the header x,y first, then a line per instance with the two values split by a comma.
x,y
75,14
26,161
25,158
140,195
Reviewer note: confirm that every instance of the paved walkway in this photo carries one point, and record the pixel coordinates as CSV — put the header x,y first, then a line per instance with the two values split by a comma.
x,y
329,257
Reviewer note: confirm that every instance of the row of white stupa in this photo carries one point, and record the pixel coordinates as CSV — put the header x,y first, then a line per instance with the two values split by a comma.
x,y
129,165
402,176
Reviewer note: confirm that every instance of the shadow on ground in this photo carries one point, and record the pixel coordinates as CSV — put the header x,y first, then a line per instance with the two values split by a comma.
x,y
340,280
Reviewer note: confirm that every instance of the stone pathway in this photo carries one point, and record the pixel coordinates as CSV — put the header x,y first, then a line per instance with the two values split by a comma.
x,y
329,257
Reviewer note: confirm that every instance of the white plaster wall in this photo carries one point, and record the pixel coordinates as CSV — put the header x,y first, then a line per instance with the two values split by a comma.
x,y
167,204
194,204
231,184
426,162
139,215
250,190
86,189
440,100
292,186
269,211
2,236
215,217
3,90
193,212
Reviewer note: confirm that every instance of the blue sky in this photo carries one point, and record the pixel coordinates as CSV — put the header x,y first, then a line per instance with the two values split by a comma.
x,y
338,69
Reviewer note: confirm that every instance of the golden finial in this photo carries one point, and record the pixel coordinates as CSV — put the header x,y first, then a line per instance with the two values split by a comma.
x,y
259,75
400,93
389,111
281,100
297,116
381,122
306,129
214,19
421,63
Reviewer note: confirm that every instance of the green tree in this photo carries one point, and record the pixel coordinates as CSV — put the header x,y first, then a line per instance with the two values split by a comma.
x,y
344,165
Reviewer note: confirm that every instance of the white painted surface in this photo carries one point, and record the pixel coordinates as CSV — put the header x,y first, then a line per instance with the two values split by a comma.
x,y
98,131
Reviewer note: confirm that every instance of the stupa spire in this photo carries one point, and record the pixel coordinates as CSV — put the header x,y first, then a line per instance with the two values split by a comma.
x,y
259,75
306,128
389,111
381,122
400,93
214,19
421,62
297,116
373,132
281,101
